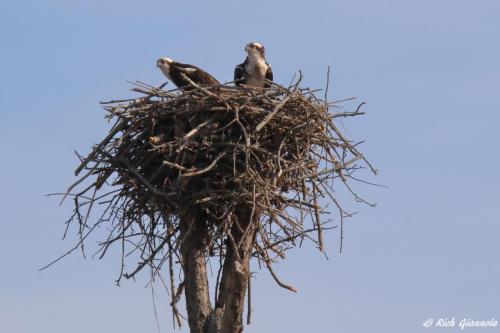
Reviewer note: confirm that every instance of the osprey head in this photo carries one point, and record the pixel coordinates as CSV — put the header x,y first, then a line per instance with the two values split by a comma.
x,y
255,48
164,62
164,65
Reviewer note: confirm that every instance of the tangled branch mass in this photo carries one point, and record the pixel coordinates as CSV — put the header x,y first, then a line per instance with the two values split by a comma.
x,y
202,161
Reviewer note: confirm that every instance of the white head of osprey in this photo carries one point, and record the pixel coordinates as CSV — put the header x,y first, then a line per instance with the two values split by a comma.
x,y
254,72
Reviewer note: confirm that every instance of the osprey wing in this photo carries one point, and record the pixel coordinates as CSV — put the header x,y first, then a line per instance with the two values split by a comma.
x,y
195,74
204,78
269,75
239,74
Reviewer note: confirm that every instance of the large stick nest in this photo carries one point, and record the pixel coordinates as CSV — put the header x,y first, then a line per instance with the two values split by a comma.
x,y
208,151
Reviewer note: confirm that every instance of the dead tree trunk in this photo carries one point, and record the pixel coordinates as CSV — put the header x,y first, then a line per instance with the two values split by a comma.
x,y
198,305
227,316
236,270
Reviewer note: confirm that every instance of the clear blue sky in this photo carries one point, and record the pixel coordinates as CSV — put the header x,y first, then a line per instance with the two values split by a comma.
x,y
430,73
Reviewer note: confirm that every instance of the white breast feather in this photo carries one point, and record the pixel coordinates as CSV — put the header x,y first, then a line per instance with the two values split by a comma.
x,y
256,71
165,68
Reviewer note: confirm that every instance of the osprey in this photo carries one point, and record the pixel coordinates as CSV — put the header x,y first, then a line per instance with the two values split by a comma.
x,y
173,71
254,71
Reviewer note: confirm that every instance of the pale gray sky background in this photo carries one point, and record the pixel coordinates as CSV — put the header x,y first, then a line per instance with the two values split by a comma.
x,y
430,73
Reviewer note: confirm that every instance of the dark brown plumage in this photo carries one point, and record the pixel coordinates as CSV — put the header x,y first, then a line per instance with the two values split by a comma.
x,y
175,72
